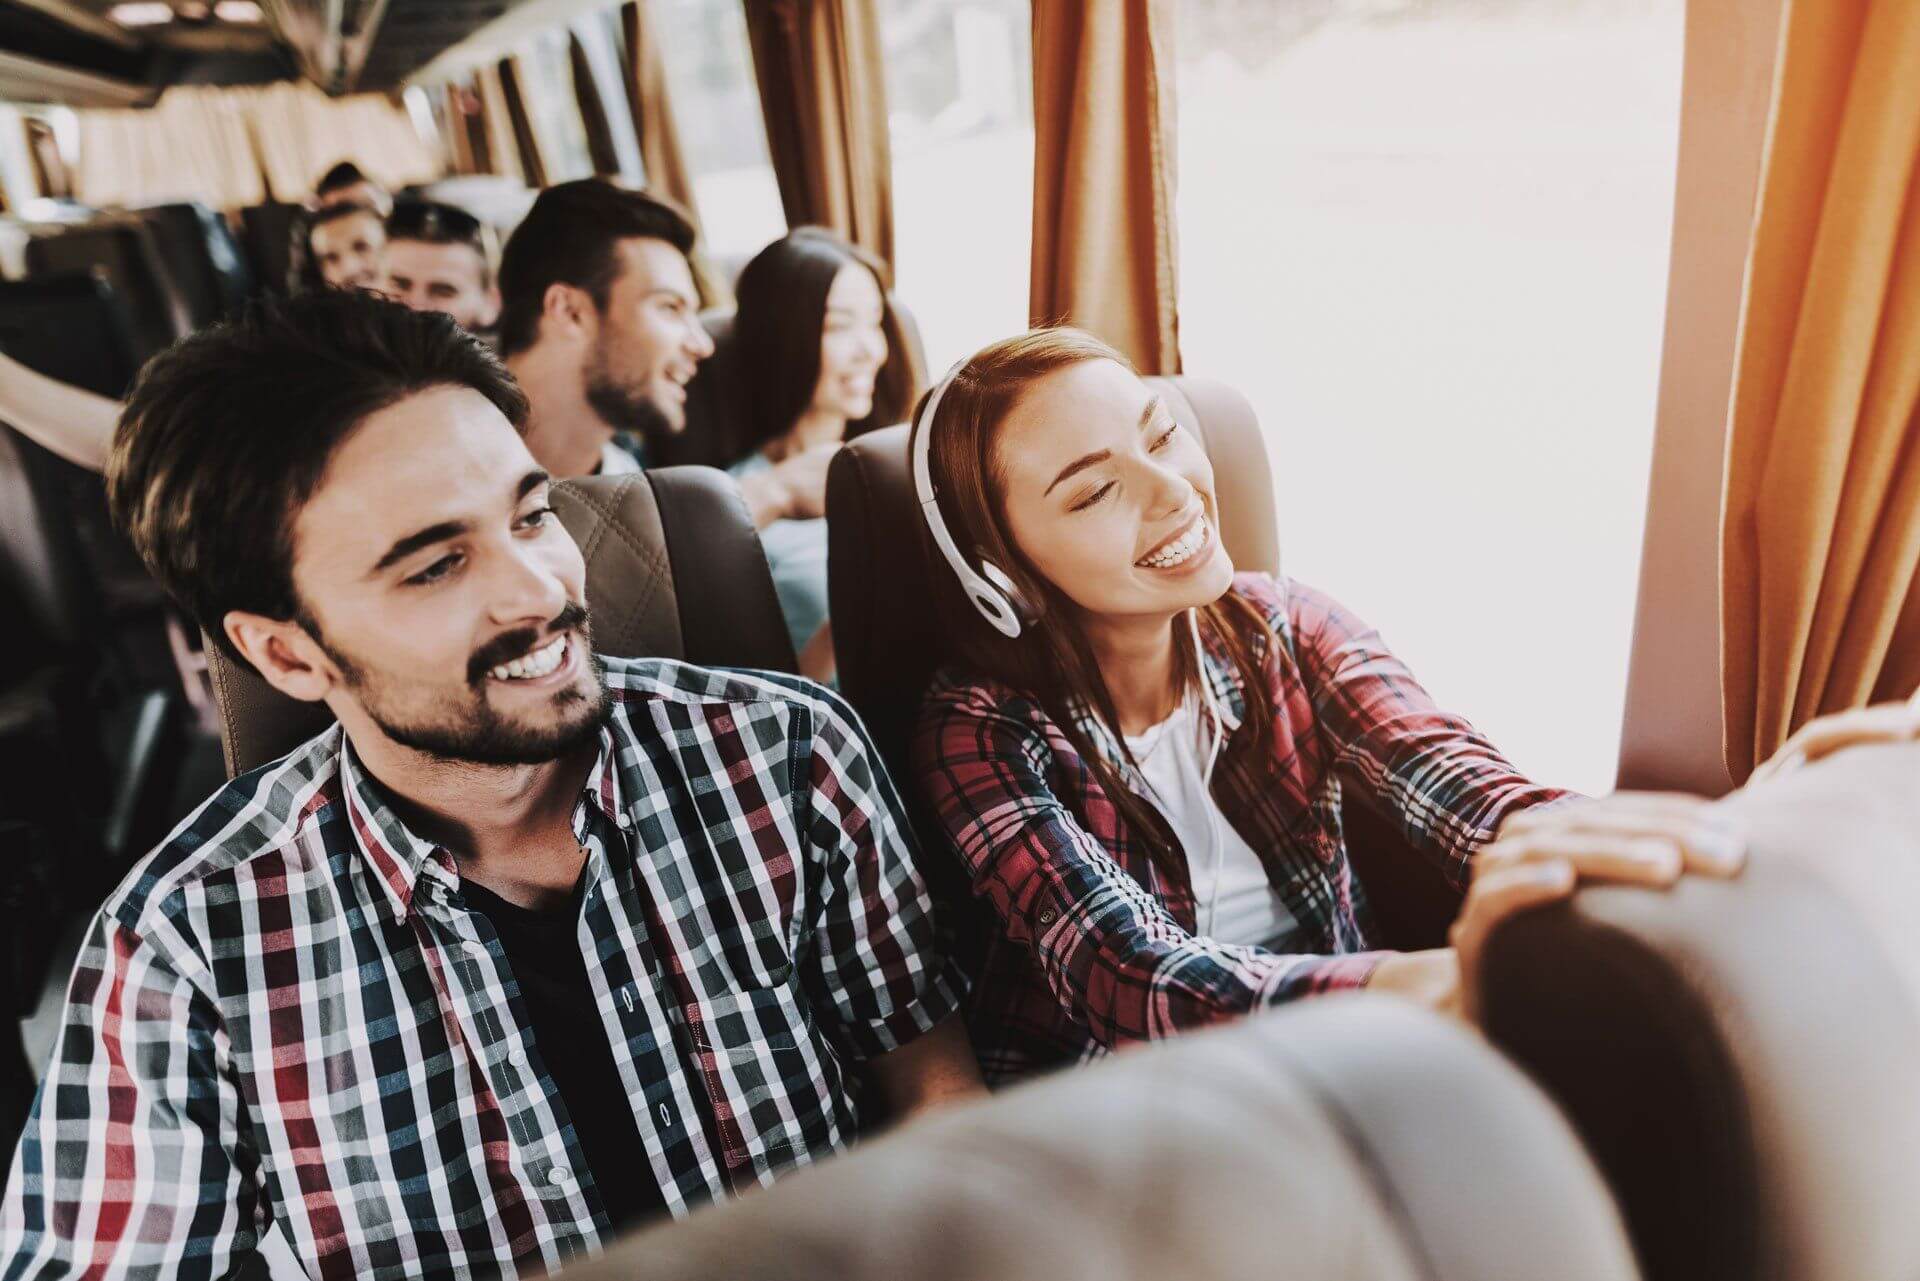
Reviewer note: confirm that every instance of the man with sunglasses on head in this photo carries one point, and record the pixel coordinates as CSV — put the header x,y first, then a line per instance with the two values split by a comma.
x,y
440,258
532,944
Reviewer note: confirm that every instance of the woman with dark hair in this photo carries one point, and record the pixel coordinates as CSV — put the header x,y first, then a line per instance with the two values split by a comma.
x,y
812,330
1140,756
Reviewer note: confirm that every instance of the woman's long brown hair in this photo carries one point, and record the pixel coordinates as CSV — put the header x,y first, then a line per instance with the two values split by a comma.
x,y
1052,657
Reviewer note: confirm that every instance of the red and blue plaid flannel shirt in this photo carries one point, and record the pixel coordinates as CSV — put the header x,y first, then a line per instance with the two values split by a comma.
x,y
286,1014
1095,945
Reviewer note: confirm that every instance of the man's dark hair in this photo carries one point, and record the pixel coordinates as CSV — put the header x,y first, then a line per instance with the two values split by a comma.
x,y
227,434
433,223
570,237
343,175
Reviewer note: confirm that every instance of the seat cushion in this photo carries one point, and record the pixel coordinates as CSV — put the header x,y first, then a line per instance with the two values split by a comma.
x,y
1350,1138
1741,1056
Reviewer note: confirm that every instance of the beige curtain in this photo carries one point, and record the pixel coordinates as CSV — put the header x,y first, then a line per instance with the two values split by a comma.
x,y
1103,174
193,144
520,115
298,132
823,96
503,146
1821,527
645,73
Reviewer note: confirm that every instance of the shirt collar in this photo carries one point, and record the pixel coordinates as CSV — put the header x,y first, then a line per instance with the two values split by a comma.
x,y
398,857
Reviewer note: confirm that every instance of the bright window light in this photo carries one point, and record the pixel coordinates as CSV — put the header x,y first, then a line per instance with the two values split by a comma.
x,y
237,11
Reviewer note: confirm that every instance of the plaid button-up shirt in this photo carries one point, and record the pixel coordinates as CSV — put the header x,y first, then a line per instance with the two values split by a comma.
x,y
286,1014
1093,945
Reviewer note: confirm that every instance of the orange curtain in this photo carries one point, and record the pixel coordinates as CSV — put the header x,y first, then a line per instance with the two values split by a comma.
x,y
646,77
520,113
1103,175
1821,527
824,98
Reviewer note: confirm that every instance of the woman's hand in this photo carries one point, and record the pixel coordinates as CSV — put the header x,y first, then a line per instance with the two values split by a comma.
x,y
1886,723
1631,838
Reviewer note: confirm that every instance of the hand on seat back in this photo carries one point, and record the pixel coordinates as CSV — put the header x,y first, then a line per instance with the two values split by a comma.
x,y
1630,838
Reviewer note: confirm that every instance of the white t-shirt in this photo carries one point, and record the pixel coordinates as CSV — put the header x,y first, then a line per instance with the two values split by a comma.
x,y
1173,756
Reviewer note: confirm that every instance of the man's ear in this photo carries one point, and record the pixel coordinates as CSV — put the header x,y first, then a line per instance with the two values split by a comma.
x,y
566,305
282,652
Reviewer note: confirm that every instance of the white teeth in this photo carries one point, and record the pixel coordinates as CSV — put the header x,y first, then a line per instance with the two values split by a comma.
x,y
541,662
1177,552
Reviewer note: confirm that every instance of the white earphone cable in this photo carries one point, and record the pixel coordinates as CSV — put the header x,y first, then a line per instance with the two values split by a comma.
x,y
1216,840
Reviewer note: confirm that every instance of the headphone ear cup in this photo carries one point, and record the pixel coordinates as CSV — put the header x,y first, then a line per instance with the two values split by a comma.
x,y
1006,587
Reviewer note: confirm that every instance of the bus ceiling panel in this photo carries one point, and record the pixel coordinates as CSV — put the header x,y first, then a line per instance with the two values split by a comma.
x,y
329,38
418,31
31,80
70,37
512,25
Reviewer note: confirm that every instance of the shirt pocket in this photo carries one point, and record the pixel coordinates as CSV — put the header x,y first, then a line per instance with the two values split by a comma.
x,y
772,1083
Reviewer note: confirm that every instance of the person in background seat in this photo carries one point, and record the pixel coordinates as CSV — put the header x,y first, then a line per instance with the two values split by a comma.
x,y
532,944
440,258
346,184
600,323
1140,757
812,327
348,244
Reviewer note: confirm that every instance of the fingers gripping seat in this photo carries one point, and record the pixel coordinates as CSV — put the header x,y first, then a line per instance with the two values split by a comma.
x,y
674,570
1743,1057
1350,1138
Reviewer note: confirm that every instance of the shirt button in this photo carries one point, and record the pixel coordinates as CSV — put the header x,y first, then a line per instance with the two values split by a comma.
x,y
623,821
1048,916
517,1056
559,1176
476,948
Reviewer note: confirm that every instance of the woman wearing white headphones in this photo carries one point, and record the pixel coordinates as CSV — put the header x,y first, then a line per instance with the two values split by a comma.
x,y
1140,757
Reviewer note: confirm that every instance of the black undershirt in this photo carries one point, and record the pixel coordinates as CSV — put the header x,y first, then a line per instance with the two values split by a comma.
x,y
557,994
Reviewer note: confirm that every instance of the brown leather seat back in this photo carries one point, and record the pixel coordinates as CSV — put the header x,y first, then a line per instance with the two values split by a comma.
x,y
674,570
1351,1137
1743,1058
886,637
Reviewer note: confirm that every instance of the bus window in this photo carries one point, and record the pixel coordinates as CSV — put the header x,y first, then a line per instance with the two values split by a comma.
x,y
960,112
1437,266
716,110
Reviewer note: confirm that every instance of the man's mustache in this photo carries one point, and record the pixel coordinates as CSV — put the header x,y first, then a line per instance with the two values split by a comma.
x,y
508,646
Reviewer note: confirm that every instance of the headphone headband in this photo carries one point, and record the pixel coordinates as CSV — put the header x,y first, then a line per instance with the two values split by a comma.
x,y
990,590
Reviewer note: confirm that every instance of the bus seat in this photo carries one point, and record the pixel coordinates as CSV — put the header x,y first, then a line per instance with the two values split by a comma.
x,y
716,433
125,249
674,570
1354,1137
72,326
203,259
1740,1056
271,232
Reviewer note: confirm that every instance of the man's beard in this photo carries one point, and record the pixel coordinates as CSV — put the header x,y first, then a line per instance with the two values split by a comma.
x,y
621,405
473,731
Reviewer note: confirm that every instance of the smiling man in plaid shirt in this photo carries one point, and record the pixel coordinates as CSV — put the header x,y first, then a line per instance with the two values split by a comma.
x,y
530,945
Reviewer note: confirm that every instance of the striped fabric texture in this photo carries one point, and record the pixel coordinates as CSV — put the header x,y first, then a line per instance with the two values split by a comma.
x,y
1093,944
286,1013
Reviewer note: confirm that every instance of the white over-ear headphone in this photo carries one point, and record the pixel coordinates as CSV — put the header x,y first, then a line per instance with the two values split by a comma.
x,y
989,588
